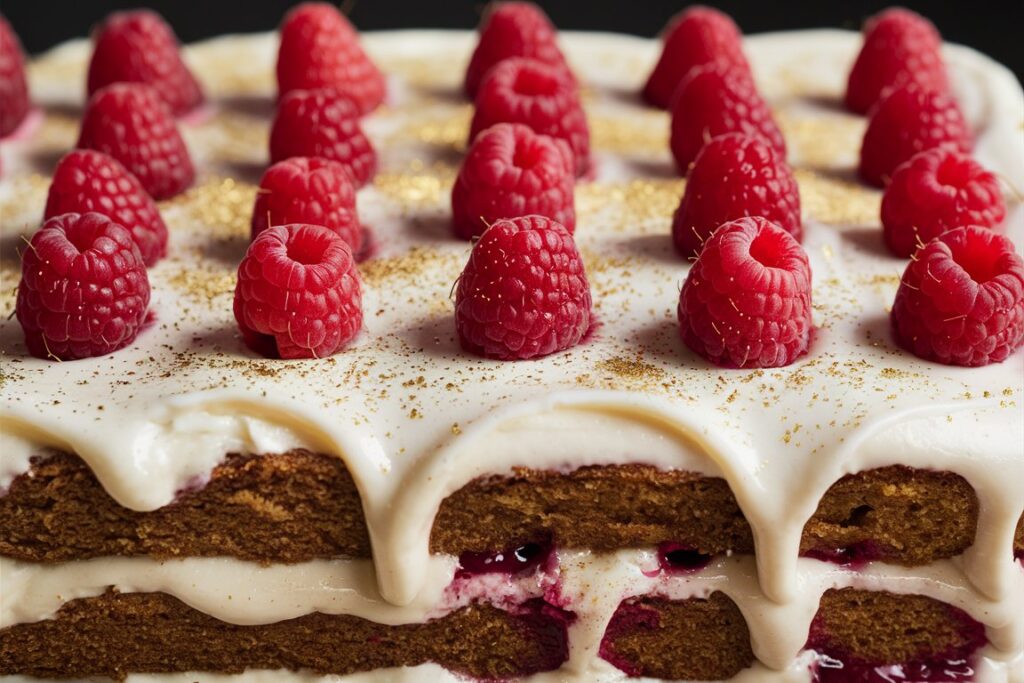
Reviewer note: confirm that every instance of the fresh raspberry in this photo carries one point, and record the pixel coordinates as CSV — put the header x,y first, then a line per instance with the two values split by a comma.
x,y
14,102
936,191
961,300
130,123
139,47
900,47
735,176
298,293
698,36
308,190
532,93
715,99
320,49
86,180
322,123
511,171
907,121
84,291
523,293
514,29
746,302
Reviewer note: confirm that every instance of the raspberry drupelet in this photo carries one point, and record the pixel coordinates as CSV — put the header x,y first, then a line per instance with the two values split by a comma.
x,y
934,192
713,100
514,29
308,190
320,49
532,93
298,293
511,171
907,121
129,122
84,290
139,47
961,299
698,36
524,293
14,100
735,176
746,302
86,180
900,47
322,123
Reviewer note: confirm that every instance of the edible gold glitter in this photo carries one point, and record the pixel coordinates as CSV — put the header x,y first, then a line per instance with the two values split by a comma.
x,y
411,266
837,202
449,129
632,369
636,201
218,207
24,203
820,142
422,186
201,285
644,131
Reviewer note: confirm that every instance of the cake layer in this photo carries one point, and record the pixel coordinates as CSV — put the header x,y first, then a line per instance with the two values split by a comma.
x,y
114,634
695,639
299,506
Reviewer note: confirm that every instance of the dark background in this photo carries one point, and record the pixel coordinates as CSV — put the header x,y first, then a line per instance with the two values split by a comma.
x,y
996,28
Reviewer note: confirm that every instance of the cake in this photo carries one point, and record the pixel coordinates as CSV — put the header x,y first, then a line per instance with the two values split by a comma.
x,y
183,509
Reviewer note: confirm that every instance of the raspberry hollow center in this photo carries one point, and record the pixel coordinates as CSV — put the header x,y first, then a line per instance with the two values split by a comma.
x,y
768,251
531,83
307,251
976,260
953,172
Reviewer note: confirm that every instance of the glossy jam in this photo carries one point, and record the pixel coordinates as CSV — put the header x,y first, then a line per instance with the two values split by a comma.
x,y
678,558
517,560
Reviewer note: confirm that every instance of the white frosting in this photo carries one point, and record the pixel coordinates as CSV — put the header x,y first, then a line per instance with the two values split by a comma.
x,y
414,418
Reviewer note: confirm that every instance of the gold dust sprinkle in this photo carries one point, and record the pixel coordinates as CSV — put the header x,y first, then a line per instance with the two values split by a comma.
x,y
219,207
422,186
636,201
645,131
410,266
202,285
632,369
837,202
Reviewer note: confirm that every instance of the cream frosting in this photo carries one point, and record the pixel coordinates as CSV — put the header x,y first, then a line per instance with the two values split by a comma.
x,y
415,418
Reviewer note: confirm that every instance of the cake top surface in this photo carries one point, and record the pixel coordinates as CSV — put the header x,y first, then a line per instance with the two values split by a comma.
x,y
413,415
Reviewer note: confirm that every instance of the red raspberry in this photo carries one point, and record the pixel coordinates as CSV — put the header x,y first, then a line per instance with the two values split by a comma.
x,y
86,180
308,190
523,293
14,102
320,49
511,171
139,47
298,293
746,302
715,99
84,291
130,123
900,47
735,176
698,36
514,29
532,93
907,121
961,301
936,191
322,123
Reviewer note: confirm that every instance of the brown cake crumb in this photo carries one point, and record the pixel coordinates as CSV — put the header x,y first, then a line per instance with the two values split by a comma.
x,y
116,634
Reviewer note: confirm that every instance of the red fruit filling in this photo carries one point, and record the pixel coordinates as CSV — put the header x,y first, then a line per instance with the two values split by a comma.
x,y
679,558
519,559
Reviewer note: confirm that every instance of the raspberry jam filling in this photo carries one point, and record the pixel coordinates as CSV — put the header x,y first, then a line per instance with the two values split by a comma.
x,y
853,556
548,627
631,616
516,560
679,558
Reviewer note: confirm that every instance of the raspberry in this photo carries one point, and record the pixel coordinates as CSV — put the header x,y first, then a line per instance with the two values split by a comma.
x,y
14,102
511,171
84,291
936,191
139,47
523,293
514,29
86,180
900,47
130,123
322,123
698,36
735,176
298,293
308,190
746,302
320,49
716,99
532,93
961,300
907,121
